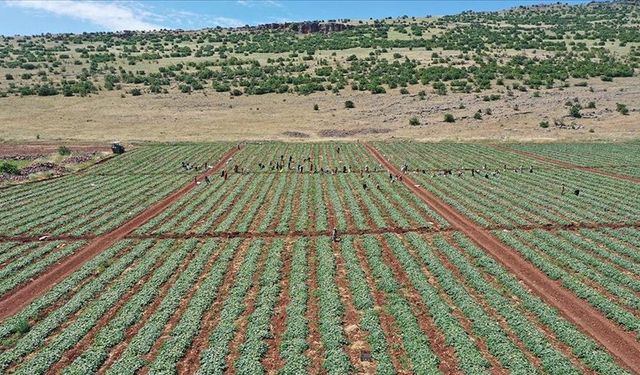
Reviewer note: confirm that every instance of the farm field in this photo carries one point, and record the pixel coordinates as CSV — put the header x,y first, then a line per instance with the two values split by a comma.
x,y
216,258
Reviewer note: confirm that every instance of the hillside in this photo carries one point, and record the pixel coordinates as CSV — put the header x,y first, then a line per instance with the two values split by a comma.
x,y
529,73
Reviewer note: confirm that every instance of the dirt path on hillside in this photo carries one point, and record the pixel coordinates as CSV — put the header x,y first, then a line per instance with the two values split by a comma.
x,y
21,296
568,165
622,345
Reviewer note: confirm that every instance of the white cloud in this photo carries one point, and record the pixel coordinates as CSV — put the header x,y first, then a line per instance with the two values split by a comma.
x,y
267,3
113,16
225,22
187,18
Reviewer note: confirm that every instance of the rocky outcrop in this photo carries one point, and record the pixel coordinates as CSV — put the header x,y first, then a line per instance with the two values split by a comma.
x,y
306,27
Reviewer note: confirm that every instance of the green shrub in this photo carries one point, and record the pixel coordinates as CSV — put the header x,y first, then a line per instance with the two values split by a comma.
x,y
574,111
315,107
64,151
23,326
448,117
349,104
413,121
622,108
544,124
9,168
477,116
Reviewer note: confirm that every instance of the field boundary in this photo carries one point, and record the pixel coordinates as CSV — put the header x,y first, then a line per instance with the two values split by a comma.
x,y
568,165
24,294
622,345
300,234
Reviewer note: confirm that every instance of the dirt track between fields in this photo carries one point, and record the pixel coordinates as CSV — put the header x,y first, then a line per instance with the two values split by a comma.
x,y
622,345
22,295
349,232
568,165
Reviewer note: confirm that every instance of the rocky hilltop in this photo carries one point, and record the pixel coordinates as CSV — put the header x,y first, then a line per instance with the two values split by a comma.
x,y
308,27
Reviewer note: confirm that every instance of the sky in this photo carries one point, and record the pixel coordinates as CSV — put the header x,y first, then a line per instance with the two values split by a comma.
x,y
30,17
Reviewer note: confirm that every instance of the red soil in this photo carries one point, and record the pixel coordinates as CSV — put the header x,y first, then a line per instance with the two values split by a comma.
x,y
496,367
272,362
191,360
309,233
21,296
357,337
622,345
387,321
242,322
449,363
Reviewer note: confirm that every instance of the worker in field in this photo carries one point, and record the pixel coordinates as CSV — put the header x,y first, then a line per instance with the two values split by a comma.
x,y
364,185
576,192
334,234
562,189
206,179
531,169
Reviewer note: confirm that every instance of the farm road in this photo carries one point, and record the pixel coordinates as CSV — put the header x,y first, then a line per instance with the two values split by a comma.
x,y
22,295
568,165
620,344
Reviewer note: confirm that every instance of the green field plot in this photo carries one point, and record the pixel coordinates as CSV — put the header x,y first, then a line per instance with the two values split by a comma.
x,y
513,197
589,155
165,159
80,204
601,266
241,272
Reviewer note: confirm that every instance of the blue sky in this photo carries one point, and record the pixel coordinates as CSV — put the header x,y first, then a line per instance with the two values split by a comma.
x,y
27,17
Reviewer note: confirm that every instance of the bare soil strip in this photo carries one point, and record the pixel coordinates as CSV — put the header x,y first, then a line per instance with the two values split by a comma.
x,y
568,165
21,296
449,362
272,362
357,337
619,343
250,301
353,232
387,321
315,352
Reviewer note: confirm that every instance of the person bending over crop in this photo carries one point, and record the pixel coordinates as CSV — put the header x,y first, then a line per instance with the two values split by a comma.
x,y
334,234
